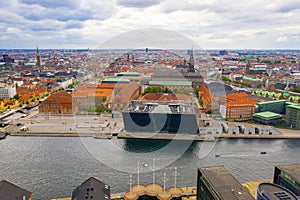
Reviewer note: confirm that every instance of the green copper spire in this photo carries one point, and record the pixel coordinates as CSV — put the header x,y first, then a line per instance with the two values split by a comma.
x,y
37,50
248,58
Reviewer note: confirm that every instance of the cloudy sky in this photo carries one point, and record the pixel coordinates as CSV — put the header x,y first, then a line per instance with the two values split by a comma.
x,y
263,24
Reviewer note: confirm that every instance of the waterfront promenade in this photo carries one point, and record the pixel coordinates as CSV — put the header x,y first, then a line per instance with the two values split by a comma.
x,y
106,127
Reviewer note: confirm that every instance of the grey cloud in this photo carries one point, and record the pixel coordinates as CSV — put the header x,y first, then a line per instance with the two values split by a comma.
x,y
51,4
137,3
60,14
73,25
287,6
40,29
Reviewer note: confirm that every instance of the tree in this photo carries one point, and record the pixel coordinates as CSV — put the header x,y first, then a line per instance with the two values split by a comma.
x,y
297,89
27,102
16,97
152,89
201,102
196,92
167,90
182,91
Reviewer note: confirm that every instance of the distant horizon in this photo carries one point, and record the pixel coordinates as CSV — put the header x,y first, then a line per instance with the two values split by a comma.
x,y
209,49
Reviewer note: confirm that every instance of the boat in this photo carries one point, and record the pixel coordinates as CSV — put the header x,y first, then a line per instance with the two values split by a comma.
x,y
263,152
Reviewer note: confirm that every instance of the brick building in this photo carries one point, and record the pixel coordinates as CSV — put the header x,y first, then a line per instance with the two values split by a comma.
x,y
207,98
57,103
237,107
166,97
125,95
90,96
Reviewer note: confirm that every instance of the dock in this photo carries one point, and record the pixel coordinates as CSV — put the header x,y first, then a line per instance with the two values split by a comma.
x,y
166,136
260,136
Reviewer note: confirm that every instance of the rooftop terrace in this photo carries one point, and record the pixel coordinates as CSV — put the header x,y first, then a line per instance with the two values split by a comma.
x,y
167,107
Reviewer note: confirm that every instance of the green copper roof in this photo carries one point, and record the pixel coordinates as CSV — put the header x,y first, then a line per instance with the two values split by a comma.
x,y
129,73
251,79
294,106
171,83
116,80
30,63
257,68
267,115
268,102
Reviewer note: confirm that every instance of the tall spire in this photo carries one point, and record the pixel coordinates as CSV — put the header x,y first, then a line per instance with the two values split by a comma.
x,y
38,59
286,89
191,61
37,50
248,65
249,58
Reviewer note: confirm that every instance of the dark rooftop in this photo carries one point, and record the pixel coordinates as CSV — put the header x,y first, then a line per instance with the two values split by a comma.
x,y
9,190
292,170
171,107
92,188
224,183
275,192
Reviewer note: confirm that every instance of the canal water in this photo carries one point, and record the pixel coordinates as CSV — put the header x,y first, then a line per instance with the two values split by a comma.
x,y
52,167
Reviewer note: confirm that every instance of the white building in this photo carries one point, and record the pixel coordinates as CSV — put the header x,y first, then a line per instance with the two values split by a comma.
x,y
65,83
7,91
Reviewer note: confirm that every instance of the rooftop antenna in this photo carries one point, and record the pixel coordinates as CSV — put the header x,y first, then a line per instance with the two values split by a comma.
x,y
138,174
153,171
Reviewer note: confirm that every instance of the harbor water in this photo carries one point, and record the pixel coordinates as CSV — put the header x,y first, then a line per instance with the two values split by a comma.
x,y
51,167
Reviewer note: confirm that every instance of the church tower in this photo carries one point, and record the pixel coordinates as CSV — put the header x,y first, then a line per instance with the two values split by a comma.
x,y
38,59
191,63
248,64
286,91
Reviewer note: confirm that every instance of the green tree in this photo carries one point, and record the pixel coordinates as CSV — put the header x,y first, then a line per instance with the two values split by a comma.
x,y
16,97
201,102
182,91
152,89
297,89
167,90
196,92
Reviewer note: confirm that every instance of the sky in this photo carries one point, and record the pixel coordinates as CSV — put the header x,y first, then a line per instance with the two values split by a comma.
x,y
212,24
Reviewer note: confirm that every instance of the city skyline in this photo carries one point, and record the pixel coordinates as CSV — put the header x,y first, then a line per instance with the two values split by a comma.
x,y
211,24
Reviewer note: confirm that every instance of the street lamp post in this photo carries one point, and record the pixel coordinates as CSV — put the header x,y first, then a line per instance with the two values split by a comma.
x,y
175,174
130,182
153,171
165,180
